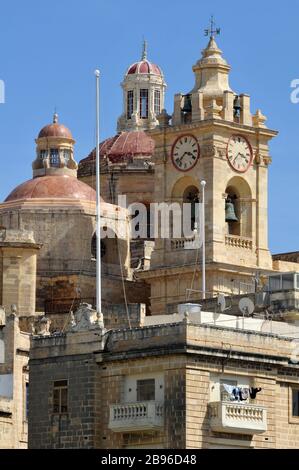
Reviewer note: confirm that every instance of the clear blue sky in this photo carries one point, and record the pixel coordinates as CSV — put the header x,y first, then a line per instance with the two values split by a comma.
x,y
49,51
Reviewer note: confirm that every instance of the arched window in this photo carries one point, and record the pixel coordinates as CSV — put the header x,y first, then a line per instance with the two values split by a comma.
x,y
94,247
232,211
157,102
191,196
130,103
144,103
238,203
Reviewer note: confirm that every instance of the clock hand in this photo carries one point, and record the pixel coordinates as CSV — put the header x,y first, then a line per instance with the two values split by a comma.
x,y
239,155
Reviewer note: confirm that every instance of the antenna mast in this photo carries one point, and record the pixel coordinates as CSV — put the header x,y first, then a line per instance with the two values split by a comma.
x,y
98,199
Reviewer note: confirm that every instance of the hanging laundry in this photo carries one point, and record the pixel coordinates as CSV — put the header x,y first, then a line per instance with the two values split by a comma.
x,y
229,390
253,392
237,393
244,393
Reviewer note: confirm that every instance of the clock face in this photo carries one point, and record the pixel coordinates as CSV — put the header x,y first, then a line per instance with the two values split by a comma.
x,y
185,152
239,153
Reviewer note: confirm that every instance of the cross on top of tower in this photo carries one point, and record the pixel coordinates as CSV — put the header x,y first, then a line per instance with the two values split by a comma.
x,y
212,30
144,50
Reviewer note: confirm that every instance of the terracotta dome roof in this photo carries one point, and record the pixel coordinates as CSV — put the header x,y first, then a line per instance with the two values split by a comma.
x,y
144,66
55,130
57,187
124,145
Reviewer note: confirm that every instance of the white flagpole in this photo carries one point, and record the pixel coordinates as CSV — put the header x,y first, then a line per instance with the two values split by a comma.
x,y
98,198
203,233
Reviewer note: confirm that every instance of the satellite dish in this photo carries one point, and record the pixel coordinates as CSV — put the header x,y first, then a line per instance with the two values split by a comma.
x,y
221,302
246,306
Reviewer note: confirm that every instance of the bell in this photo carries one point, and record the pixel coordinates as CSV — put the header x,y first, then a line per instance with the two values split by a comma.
x,y
237,106
230,215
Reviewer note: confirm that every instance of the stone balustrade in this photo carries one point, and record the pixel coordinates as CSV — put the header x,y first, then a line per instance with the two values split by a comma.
x,y
136,416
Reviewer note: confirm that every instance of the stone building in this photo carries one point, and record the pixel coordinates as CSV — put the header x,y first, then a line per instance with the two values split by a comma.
x,y
153,371
212,135
164,384
18,253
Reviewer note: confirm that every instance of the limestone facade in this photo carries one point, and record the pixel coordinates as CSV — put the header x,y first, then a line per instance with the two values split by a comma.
x,y
181,365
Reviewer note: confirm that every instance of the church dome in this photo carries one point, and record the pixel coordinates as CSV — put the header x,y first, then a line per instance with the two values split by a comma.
x,y
53,187
55,130
144,66
123,146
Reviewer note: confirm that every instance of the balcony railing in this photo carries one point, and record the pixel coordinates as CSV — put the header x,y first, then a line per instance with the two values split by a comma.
x,y
139,416
182,243
238,242
238,417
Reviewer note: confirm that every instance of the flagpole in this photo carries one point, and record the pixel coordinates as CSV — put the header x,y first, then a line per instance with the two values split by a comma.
x,y
203,233
98,198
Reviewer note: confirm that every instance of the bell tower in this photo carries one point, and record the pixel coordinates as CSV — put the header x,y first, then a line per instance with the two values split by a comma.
x,y
214,137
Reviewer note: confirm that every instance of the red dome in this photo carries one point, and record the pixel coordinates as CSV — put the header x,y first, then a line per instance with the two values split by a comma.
x,y
123,145
144,66
57,187
55,130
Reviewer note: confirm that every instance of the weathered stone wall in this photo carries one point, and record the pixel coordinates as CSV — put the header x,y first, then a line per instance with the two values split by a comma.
x,y
14,375
187,356
77,427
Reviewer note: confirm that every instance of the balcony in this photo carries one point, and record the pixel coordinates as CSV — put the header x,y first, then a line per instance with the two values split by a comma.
x,y
142,416
238,418
183,244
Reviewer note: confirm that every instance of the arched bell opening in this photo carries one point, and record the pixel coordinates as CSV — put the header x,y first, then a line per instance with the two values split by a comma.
x,y
238,208
186,191
232,211
191,196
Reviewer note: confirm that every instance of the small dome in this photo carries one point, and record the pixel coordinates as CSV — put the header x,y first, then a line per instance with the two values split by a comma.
x,y
57,187
123,145
55,130
144,66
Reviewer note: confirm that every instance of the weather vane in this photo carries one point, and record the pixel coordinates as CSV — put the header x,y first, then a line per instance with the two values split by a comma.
x,y
212,30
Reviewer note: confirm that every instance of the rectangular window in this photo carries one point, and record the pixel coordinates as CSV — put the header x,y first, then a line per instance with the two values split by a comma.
x,y
145,389
274,283
157,102
54,157
287,281
295,402
60,396
144,104
130,103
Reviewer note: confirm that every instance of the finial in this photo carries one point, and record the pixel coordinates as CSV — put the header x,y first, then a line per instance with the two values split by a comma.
x,y
55,117
144,50
212,31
